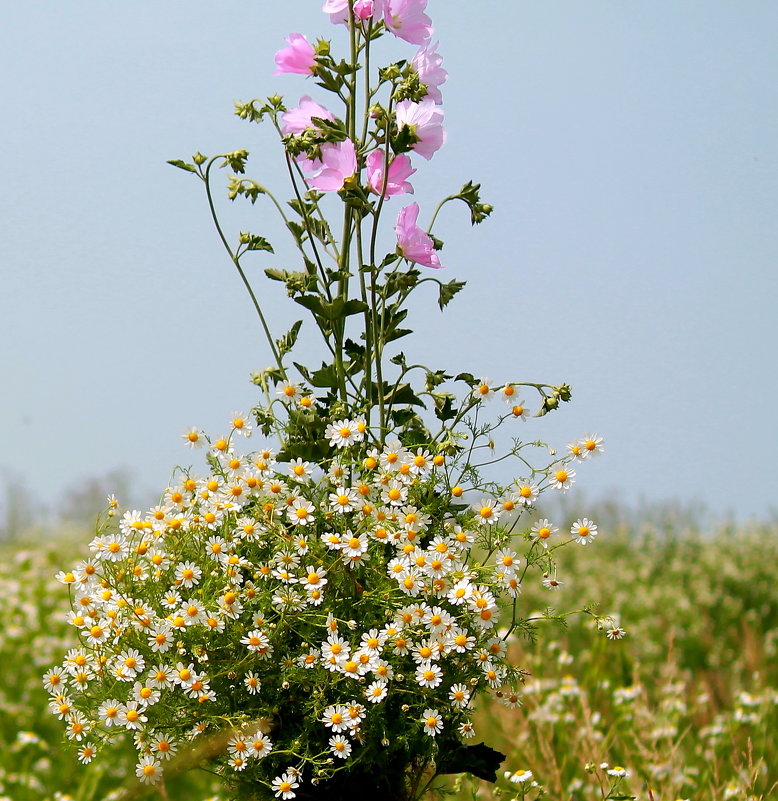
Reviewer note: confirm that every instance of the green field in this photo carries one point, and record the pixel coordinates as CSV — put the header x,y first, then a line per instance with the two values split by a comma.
x,y
686,703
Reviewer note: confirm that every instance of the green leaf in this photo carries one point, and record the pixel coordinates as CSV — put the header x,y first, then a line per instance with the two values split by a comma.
x,y
397,333
435,379
236,160
182,165
397,282
403,394
468,378
304,371
447,292
351,307
404,139
353,349
298,232
325,376
479,760
470,194
312,303
288,340
254,242
444,406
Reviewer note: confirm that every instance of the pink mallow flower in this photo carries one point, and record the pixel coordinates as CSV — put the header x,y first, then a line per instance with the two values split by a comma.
x,y
428,63
399,170
363,9
407,20
339,164
412,243
296,120
425,120
299,58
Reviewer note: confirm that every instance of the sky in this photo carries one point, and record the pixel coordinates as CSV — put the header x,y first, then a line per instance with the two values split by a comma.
x,y
630,150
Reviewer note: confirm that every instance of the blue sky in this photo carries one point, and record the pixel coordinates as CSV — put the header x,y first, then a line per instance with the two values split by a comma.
x,y
631,153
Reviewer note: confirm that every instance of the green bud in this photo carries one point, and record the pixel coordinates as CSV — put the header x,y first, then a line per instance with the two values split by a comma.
x,y
199,158
390,73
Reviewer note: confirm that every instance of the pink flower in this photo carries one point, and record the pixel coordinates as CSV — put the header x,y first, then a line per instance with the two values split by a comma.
x,y
298,58
412,243
339,164
296,120
425,120
399,170
406,19
429,66
363,9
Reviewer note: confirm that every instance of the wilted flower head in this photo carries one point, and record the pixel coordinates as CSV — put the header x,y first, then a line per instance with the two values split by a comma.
x,y
428,64
412,242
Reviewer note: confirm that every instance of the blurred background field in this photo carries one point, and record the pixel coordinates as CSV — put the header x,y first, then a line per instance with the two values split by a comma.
x,y
686,703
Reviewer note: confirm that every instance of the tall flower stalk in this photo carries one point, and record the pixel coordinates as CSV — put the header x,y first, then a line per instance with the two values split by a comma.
x,y
320,615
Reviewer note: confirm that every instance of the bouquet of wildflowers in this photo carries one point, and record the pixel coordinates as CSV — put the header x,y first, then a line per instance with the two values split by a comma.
x,y
321,613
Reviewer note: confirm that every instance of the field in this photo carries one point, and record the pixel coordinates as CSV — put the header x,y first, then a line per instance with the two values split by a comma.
x,y
686,705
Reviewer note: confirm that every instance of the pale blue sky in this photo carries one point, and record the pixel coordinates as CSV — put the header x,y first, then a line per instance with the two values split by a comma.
x,y
630,150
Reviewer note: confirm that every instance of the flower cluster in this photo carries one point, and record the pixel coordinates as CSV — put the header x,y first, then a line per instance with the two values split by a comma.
x,y
327,611
311,612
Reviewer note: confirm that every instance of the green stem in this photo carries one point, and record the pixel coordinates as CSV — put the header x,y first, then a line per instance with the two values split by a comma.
x,y
236,262
322,273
